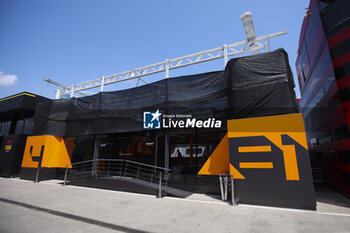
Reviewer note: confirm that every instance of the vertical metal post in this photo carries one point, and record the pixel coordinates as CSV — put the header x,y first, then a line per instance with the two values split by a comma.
x,y
221,187
95,157
196,138
232,191
160,185
121,168
138,171
225,54
166,154
72,92
65,176
267,44
126,167
102,83
151,176
39,164
37,173
167,68
156,152
225,186
58,95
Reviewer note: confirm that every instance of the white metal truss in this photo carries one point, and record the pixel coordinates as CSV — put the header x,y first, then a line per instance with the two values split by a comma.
x,y
224,51
61,85
252,45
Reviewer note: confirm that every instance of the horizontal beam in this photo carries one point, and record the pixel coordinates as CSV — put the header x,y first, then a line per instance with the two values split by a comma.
x,y
195,58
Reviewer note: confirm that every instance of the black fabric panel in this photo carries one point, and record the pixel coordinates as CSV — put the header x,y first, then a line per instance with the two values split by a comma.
x,y
14,103
260,85
263,87
22,102
201,95
10,161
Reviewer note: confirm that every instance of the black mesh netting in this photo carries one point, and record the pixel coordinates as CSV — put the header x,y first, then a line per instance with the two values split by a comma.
x,y
258,85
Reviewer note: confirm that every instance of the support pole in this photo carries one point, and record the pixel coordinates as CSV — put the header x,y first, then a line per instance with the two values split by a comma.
x,y
166,154
167,68
225,54
65,176
191,151
58,95
37,173
160,186
232,202
156,152
95,157
39,164
72,92
267,44
102,83
221,187
225,186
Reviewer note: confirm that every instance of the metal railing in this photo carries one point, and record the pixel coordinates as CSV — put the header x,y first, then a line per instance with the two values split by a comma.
x,y
118,168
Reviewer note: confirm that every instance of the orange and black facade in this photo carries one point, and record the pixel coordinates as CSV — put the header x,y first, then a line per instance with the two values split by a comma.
x,y
16,124
265,147
323,67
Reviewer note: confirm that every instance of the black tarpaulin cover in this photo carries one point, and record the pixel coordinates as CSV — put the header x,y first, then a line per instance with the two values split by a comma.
x,y
258,85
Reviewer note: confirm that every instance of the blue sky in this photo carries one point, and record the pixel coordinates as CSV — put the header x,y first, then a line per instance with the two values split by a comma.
x,y
76,41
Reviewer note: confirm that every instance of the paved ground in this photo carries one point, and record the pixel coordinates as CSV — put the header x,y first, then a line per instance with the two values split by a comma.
x,y
50,207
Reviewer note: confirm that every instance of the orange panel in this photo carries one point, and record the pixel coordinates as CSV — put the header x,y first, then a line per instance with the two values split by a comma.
x,y
256,165
243,149
219,162
56,151
272,128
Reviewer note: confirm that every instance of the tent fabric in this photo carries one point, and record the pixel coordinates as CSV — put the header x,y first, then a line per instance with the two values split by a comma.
x,y
260,85
257,85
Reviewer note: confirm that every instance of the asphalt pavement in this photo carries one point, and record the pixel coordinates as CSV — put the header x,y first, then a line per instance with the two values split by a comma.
x,y
50,207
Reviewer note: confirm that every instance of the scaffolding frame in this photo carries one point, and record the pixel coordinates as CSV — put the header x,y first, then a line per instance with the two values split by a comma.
x,y
251,45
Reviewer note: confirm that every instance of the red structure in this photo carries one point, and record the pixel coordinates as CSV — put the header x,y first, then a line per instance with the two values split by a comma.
x,y
323,67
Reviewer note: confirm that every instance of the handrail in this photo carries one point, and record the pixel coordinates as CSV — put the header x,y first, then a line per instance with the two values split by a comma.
x,y
124,168
120,160
148,165
86,161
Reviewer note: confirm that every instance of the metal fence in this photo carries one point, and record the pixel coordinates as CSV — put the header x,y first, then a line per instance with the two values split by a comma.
x,y
145,174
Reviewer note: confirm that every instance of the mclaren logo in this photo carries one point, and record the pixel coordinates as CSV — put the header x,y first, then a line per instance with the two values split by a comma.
x,y
267,143
268,158
259,152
